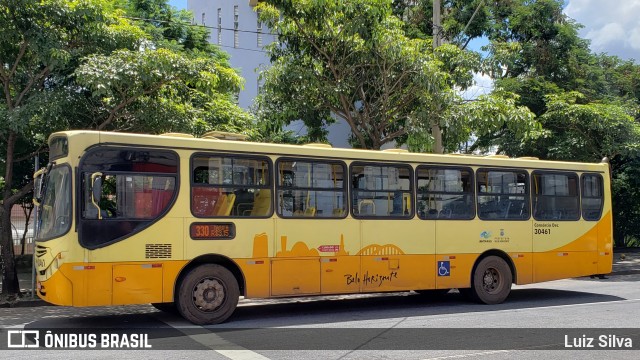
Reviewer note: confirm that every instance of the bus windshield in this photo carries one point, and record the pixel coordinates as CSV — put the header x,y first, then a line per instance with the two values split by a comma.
x,y
55,209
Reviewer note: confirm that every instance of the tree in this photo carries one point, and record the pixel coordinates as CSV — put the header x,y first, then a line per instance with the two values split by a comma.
x,y
625,189
80,64
171,28
586,103
352,60
158,91
39,45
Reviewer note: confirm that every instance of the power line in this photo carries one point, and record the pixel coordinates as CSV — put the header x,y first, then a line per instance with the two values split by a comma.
x,y
239,48
200,25
207,27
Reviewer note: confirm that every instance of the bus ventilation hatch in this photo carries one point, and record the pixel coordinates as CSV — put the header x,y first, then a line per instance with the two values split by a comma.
x,y
157,251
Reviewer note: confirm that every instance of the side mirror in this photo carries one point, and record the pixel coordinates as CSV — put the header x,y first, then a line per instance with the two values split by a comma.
x,y
96,191
37,186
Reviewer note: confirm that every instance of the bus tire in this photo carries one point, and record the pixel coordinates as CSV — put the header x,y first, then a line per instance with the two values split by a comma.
x,y
491,282
208,294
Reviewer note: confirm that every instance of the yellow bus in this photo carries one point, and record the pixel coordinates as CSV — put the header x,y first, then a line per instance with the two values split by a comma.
x,y
194,223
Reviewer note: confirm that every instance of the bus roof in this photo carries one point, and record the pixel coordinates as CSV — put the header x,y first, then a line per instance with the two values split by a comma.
x,y
313,150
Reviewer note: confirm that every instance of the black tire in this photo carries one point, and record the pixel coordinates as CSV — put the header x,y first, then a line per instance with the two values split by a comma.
x,y
491,282
208,294
169,308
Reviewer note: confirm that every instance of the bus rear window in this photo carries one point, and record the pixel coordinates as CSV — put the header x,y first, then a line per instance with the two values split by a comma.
x,y
592,196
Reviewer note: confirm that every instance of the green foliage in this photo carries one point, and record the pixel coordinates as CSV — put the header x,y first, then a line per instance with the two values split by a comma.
x,y
489,117
40,44
625,188
85,64
353,60
587,104
350,59
160,90
418,19
171,28
590,131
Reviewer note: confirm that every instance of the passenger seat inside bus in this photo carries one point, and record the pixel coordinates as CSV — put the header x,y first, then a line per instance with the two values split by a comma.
x,y
224,205
261,204
225,209
338,212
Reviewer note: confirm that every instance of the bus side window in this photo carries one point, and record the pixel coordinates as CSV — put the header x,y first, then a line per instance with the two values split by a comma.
x,y
502,194
230,186
381,190
445,193
555,196
309,188
128,196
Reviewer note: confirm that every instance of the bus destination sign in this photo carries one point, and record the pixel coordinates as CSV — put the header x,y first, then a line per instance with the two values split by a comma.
x,y
212,231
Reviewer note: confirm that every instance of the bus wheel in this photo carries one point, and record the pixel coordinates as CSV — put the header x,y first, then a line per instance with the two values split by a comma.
x,y
491,282
208,294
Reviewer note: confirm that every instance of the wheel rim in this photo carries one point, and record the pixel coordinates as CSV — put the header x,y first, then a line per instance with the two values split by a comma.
x,y
491,280
209,294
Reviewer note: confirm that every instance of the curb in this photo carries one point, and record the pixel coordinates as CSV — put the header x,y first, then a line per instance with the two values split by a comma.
x,y
25,301
25,304
624,272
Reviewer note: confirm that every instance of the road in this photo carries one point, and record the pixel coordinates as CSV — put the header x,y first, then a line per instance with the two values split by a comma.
x,y
380,326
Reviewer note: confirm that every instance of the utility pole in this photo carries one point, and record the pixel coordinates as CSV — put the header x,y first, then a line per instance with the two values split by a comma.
x,y
436,132
437,20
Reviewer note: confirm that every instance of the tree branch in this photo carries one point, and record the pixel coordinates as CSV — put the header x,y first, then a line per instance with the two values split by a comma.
x,y
351,123
27,188
392,136
30,155
23,49
26,89
7,88
8,172
469,23
127,102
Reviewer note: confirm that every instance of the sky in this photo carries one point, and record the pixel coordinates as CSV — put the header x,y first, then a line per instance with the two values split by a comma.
x,y
612,26
180,4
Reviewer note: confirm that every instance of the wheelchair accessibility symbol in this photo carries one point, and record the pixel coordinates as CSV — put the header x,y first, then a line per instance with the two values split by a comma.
x,y
444,268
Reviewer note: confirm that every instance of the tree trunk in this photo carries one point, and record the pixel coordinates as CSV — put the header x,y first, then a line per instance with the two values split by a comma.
x,y
436,132
27,211
10,285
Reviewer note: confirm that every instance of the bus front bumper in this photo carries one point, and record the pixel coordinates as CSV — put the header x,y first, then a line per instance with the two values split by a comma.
x,y
57,289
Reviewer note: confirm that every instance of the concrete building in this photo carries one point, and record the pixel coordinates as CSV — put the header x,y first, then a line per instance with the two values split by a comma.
x,y
235,28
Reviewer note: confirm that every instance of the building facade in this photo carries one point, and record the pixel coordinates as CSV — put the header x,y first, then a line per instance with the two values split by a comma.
x,y
234,26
